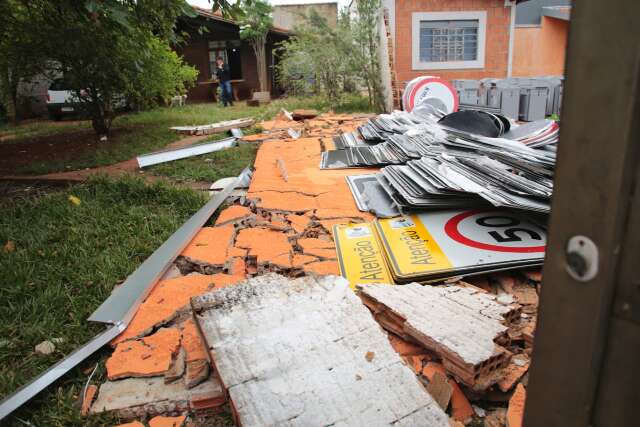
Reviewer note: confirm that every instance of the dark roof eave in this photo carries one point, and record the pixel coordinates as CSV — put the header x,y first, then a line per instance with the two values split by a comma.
x,y
210,15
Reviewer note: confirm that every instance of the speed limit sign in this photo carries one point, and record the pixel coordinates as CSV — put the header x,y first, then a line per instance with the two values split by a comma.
x,y
494,231
435,244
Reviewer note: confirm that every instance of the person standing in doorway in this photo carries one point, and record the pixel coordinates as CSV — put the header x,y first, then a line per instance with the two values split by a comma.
x,y
224,78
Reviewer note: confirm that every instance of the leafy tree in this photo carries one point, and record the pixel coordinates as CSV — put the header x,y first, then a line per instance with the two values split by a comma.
x,y
108,51
317,57
21,58
338,59
255,22
367,37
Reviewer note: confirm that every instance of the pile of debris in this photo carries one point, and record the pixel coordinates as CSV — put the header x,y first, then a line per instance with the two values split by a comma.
x,y
252,315
179,354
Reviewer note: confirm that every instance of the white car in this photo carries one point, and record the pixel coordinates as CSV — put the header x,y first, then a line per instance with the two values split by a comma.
x,y
62,102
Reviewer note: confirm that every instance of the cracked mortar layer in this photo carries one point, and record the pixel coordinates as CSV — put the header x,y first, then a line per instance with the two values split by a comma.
x,y
210,245
147,357
269,246
168,296
232,214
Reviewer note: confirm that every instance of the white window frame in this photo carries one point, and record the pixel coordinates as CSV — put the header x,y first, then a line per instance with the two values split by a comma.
x,y
417,17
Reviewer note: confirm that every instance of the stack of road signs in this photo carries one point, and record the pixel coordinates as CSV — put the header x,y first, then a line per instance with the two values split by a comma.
x,y
447,181
435,246
439,95
435,167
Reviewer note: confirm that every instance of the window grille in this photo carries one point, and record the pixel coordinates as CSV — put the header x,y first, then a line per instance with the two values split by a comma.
x,y
444,41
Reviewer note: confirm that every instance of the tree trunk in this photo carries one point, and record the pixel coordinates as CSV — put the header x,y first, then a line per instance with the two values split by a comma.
x,y
12,87
100,120
261,60
99,124
14,104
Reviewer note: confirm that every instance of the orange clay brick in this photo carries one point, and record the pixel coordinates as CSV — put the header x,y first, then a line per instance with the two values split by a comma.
x,y
322,253
267,245
299,260
299,222
314,243
210,245
236,252
283,261
515,411
194,346
323,268
318,247
147,357
88,399
160,421
238,268
233,213
284,201
403,347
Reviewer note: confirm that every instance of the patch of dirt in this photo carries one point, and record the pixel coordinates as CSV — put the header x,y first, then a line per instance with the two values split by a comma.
x,y
12,191
16,156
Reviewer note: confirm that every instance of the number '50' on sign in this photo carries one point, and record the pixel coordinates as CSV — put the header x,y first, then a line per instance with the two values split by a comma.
x,y
495,231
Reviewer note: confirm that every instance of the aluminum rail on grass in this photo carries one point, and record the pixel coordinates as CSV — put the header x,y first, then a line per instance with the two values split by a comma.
x,y
218,127
122,304
150,159
124,300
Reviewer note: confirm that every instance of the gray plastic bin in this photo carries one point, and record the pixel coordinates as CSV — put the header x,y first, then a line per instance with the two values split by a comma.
x,y
533,103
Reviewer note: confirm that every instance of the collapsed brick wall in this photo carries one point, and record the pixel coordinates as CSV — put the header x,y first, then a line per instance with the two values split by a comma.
x,y
161,365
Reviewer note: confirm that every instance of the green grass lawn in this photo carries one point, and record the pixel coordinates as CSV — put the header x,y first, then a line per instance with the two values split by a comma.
x,y
148,131
66,261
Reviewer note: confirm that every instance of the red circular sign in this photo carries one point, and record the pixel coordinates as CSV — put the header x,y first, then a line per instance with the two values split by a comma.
x,y
426,81
451,228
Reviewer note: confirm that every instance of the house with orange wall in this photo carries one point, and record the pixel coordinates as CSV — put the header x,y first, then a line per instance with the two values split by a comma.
x,y
541,39
471,39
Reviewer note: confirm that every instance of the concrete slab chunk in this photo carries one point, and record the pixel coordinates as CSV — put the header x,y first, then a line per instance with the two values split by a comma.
x,y
458,323
295,352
